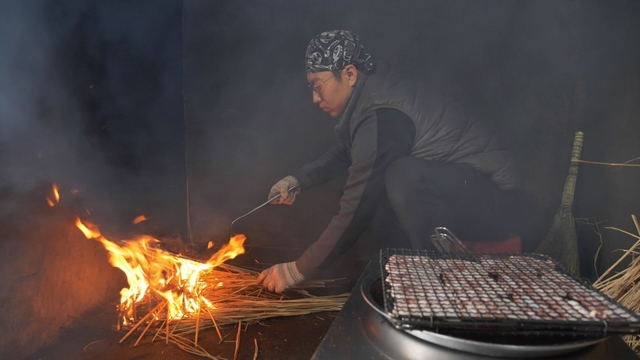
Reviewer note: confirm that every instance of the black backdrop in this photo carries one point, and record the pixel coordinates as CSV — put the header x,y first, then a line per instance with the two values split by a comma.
x,y
101,96
536,71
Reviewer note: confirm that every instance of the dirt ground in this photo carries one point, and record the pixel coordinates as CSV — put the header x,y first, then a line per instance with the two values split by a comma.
x,y
94,337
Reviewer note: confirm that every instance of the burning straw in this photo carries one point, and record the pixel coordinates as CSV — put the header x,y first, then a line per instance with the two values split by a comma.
x,y
187,296
623,286
232,297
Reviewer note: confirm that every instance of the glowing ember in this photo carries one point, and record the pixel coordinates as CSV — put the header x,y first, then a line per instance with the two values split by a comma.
x,y
56,196
139,219
152,271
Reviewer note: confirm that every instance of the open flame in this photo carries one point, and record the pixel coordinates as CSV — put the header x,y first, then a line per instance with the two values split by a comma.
x,y
153,271
56,196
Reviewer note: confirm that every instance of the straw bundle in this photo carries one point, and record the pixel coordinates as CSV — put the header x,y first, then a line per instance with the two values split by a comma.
x,y
624,286
561,242
234,297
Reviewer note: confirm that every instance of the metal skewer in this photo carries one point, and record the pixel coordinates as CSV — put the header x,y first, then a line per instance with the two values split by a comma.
x,y
258,208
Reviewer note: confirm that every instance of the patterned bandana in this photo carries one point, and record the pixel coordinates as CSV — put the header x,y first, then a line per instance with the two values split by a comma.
x,y
334,50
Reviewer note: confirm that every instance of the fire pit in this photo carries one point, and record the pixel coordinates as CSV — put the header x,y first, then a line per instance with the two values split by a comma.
x,y
173,298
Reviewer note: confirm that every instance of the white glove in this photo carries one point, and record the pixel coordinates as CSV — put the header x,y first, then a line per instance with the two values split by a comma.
x,y
280,277
282,187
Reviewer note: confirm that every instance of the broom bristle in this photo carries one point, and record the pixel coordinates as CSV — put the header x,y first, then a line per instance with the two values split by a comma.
x,y
561,243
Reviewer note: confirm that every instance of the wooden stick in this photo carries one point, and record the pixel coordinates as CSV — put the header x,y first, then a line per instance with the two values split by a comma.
x,y
220,342
159,307
623,231
606,163
145,330
236,302
166,329
176,327
619,261
235,353
197,323
255,352
185,345
91,343
158,332
214,324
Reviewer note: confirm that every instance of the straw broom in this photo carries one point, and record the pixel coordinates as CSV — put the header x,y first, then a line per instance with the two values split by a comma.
x,y
624,286
561,242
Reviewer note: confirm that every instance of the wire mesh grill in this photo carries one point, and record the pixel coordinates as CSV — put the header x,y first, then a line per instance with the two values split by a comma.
x,y
501,292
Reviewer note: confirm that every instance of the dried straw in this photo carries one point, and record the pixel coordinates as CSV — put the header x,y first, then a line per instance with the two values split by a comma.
x,y
144,332
197,322
236,298
255,352
235,352
622,286
159,307
606,163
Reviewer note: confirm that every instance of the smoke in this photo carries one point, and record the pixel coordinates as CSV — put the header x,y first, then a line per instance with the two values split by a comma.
x,y
91,92
90,98
30,99
535,71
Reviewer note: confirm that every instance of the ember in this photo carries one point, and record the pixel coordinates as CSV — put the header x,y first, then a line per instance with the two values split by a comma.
x,y
139,219
56,196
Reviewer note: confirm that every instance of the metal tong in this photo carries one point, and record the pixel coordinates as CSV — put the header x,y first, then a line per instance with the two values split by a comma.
x,y
446,242
258,208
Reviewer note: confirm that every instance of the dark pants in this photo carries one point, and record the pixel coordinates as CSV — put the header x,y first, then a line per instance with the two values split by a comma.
x,y
422,195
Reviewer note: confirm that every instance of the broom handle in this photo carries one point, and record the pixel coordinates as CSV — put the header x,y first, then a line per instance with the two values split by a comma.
x,y
570,183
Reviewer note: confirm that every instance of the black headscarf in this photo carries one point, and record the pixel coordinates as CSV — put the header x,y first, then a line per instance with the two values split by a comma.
x,y
334,50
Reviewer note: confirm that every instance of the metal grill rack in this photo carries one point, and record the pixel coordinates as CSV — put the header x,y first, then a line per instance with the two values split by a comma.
x,y
507,293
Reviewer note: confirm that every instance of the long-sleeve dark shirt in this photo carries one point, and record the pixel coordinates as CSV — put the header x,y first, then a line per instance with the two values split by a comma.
x,y
383,136
389,116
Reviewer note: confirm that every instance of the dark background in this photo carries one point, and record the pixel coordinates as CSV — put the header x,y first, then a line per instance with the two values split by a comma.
x,y
91,99
110,98
536,71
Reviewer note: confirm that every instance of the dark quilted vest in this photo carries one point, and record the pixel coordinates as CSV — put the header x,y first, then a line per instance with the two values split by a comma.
x,y
444,130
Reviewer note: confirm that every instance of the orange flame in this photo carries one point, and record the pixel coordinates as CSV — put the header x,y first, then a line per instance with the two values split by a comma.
x,y
89,233
139,219
56,196
230,251
150,270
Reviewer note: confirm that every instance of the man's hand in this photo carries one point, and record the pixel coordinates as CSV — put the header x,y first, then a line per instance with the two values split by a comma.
x,y
282,187
280,277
